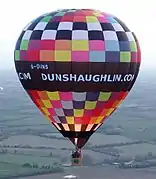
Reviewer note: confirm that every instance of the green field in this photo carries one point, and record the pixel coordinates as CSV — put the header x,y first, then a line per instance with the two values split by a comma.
x,y
8,170
36,141
137,149
22,124
22,159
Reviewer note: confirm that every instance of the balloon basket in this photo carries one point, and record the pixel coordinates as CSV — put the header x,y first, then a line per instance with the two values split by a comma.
x,y
76,162
76,157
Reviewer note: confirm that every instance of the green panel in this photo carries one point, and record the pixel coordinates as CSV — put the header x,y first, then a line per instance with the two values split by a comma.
x,y
46,19
90,104
125,56
71,10
133,46
24,45
60,14
17,55
104,96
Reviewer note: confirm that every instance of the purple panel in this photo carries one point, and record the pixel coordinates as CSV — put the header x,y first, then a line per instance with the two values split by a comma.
x,y
100,104
23,55
63,120
78,104
112,56
124,46
68,112
34,45
92,96
56,19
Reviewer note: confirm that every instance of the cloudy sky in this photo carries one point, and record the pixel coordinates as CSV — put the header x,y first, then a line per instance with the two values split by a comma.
x,y
139,16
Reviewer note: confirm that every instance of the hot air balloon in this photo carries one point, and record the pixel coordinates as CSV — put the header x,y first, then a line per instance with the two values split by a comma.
x,y
77,66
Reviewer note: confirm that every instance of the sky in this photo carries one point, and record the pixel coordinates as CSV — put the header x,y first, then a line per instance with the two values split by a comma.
x,y
138,15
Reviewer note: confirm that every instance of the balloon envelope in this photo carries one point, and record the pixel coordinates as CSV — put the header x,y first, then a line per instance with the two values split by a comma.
x,y
77,65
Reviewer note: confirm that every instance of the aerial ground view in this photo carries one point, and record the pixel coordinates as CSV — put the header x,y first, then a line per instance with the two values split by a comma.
x,y
124,146
75,101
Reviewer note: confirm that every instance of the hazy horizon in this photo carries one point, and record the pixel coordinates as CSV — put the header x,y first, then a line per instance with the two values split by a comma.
x,y
137,15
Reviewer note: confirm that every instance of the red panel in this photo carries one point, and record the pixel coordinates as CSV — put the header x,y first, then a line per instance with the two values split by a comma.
x,y
97,112
52,112
134,56
56,104
33,94
79,18
86,120
122,95
109,104
33,55
78,120
67,18
47,44
88,113
139,56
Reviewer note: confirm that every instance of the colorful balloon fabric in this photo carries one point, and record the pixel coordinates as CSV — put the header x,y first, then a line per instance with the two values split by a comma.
x,y
77,65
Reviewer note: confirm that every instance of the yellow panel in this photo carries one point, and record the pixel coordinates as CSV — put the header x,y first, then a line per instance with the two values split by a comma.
x,y
98,14
78,127
90,104
78,112
119,104
104,96
70,120
103,113
62,55
109,111
47,103
39,102
116,103
92,120
53,95
91,19
45,110
99,120
80,45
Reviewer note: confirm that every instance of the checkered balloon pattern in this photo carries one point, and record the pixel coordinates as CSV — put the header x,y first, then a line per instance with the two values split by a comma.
x,y
77,35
